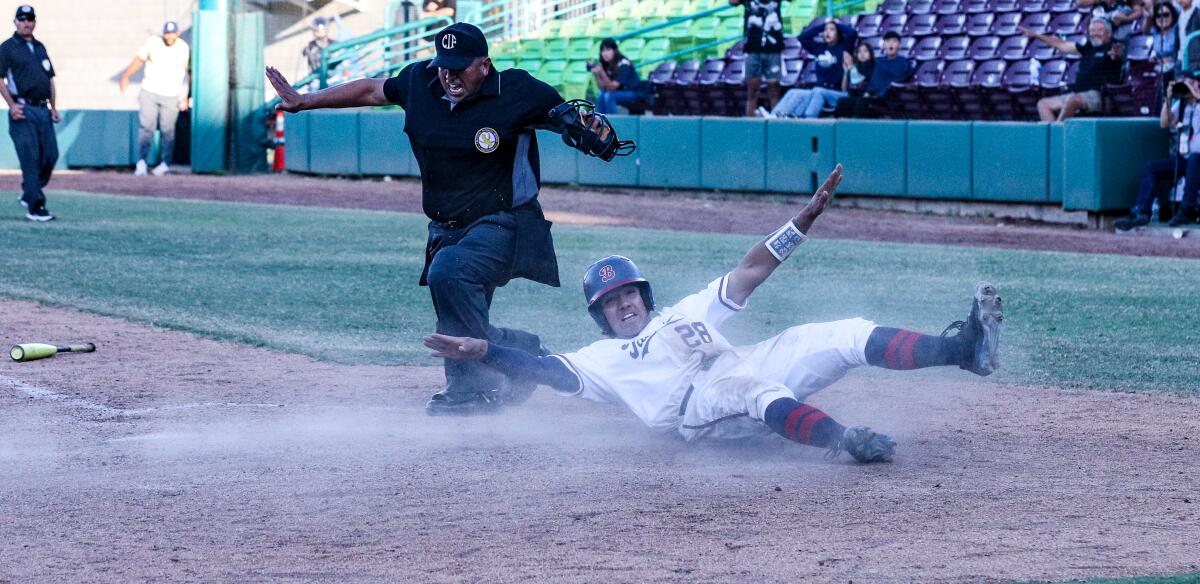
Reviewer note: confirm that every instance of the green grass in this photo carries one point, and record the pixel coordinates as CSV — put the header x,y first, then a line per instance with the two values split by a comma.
x,y
341,285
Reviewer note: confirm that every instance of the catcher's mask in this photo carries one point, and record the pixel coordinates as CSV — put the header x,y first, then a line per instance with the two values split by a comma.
x,y
607,275
576,117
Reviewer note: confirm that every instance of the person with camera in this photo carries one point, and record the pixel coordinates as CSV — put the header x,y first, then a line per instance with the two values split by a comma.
x,y
1181,112
617,80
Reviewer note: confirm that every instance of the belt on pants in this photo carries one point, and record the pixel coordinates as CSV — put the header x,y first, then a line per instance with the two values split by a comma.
x,y
33,102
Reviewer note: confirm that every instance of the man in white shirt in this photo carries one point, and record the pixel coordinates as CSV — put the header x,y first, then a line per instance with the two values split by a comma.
x,y
164,93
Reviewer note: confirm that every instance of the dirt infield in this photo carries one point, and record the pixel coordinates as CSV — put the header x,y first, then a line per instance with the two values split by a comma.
x,y
169,457
164,456
678,211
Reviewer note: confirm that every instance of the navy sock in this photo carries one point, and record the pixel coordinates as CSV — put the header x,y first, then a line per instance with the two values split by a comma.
x,y
803,423
895,348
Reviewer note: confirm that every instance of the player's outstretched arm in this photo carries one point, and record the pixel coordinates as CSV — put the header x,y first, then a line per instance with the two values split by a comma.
x,y
361,92
509,361
762,259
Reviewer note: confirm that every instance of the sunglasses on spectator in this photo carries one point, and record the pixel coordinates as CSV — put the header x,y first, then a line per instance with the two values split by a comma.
x,y
1163,15
25,19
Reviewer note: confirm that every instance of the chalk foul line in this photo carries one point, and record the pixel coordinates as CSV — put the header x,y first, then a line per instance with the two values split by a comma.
x,y
42,393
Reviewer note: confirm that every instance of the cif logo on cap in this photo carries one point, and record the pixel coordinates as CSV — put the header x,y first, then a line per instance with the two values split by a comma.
x,y
487,140
449,41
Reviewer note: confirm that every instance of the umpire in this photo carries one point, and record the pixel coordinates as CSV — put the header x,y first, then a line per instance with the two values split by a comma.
x,y
29,93
471,129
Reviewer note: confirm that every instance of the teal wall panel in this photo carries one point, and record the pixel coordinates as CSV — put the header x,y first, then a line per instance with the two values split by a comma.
x,y
800,153
939,160
559,162
384,147
248,127
1010,161
333,142
733,154
670,152
872,153
1055,161
8,154
1105,157
210,90
620,171
295,141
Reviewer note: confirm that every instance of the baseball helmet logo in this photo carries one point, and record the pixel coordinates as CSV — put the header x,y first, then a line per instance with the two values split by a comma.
x,y
487,140
607,273
449,41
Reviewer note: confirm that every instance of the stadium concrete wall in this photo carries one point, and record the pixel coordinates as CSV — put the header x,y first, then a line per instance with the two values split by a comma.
x,y
1084,164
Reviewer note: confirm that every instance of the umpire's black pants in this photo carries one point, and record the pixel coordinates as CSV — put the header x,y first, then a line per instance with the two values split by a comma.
x,y
468,264
37,150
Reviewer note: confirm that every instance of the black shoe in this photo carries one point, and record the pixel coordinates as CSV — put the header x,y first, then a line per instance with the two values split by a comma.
x,y
40,214
464,403
980,333
1131,221
1182,217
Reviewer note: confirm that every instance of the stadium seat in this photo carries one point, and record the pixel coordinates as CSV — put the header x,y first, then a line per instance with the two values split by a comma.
x,y
940,102
1014,48
573,28
1137,94
893,7
1140,48
926,49
869,25
976,6
1036,5
952,24
552,72
850,20
906,45
1004,5
954,48
1072,71
948,6
875,43
920,25
530,65
980,24
737,51
1007,24
503,64
791,53
893,23
632,49
984,48
1068,23
987,78
808,75
600,28
920,7
791,73
698,95
729,97
684,78
660,79
1042,51
1053,77
1038,22
1075,39
906,100
583,49
1062,5
705,29
1017,86
655,49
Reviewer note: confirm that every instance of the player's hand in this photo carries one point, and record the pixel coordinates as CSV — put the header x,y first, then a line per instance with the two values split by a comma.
x,y
183,105
17,111
457,348
819,201
55,116
290,99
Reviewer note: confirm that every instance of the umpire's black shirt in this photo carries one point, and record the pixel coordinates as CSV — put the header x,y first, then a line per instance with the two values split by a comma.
x,y
28,66
479,156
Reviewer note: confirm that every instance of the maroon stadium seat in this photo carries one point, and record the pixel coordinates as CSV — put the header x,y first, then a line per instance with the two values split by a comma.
x,y
976,6
1140,48
659,78
1018,99
1072,71
791,53
954,48
926,49
987,78
1007,24
941,103
1137,94
1075,39
920,6
984,48
947,6
1068,23
875,43
920,25
893,7
1005,5
684,78
906,45
893,23
1062,5
849,20
1053,77
791,72
868,25
906,100
1014,48
728,97
1042,51
952,24
700,95
737,51
980,24
1035,5
1037,22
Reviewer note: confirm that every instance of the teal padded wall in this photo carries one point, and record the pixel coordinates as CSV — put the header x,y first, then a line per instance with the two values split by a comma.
x,y
1055,161
620,171
105,138
210,90
733,154
248,125
670,152
333,141
8,154
1105,157
1011,161
559,162
384,147
799,154
295,141
872,153
939,160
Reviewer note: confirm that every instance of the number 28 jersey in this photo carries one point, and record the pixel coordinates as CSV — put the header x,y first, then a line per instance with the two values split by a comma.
x,y
650,374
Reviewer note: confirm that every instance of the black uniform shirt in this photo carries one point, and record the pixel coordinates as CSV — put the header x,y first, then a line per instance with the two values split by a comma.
x,y
1096,68
27,72
479,156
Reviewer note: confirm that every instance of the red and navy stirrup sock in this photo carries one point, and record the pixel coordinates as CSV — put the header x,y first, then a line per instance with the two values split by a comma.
x,y
803,423
895,348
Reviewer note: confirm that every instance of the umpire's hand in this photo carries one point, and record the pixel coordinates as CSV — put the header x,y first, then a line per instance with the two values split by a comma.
x,y
290,99
457,348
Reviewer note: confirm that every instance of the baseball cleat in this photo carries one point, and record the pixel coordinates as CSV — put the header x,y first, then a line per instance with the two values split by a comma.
x,y
864,445
40,215
980,333
464,404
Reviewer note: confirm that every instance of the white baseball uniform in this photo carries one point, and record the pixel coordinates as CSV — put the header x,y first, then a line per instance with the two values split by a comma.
x,y
680,373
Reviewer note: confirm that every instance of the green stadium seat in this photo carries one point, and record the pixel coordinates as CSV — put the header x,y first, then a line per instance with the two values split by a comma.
x,y
577,73
632,48
574,28
645,9
555,48
648,22
532,48
627,24
533,66
732,26
503,64
672,8
583,49
602,28
705,29
549,29
552,72
655,49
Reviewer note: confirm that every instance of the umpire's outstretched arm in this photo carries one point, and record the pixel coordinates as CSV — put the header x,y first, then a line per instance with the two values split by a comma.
x,y
760,262
361,92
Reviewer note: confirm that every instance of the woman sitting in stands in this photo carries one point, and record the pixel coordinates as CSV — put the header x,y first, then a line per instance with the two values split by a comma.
x,y
617,80
858,69
830,42
1163,19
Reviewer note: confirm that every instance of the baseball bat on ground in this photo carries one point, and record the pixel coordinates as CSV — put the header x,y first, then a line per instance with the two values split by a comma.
x,y
32,351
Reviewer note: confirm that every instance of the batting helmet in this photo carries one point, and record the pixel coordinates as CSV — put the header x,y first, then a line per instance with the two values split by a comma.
x,y
609,274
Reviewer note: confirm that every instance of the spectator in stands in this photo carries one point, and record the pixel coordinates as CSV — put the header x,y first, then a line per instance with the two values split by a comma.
x,y
164,93
1121,14
891,68
438,8
1099,63
1184,117
320,40
1188,21
617,80
858,70
831,45
763,26
1165,38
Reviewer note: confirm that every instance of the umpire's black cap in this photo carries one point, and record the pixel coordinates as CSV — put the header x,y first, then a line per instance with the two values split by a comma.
x,y
458,45
25,12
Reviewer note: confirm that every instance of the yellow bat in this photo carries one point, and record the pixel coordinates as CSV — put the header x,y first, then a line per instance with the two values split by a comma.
x,y
32,351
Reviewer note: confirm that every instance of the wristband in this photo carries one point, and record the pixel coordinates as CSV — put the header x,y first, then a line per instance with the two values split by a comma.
x,y
784,241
